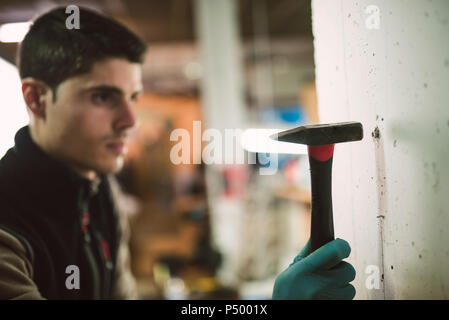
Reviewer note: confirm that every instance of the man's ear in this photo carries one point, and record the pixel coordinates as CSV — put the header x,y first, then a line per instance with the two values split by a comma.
x,y
34,92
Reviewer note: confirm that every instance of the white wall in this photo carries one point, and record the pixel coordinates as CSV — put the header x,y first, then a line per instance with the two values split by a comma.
x,y
391,194
13,113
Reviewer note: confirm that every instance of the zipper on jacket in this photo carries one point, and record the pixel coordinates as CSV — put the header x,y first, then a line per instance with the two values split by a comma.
x,y
87,243
105,254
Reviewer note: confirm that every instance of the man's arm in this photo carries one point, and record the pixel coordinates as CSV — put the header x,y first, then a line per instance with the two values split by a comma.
x,y
16,271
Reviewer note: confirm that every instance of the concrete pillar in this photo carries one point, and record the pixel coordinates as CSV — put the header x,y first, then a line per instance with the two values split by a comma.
x,y
223,106
222,79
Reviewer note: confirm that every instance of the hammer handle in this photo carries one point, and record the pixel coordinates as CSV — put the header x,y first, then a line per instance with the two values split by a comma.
x,y
322,225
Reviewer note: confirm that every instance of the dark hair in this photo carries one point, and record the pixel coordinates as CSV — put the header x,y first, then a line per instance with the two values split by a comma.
x,y
52,53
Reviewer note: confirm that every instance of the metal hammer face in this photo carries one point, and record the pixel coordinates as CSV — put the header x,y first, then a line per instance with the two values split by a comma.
x,y
320,140
322,134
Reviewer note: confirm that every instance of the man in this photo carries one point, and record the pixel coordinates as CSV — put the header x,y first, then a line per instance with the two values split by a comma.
x,y
61,235
57,211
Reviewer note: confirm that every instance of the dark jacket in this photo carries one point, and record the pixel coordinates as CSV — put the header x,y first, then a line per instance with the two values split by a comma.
x,y
61,219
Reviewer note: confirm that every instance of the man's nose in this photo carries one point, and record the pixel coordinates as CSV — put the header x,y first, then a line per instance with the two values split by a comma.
x,y
126,118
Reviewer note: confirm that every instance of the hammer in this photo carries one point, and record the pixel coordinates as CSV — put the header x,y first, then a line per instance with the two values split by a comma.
x,y
320,140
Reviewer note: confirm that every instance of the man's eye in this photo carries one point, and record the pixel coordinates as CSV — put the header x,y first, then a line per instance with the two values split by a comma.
x,y
101,97
135,97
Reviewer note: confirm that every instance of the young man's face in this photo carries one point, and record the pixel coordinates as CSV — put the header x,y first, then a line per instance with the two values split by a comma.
x,y
90,122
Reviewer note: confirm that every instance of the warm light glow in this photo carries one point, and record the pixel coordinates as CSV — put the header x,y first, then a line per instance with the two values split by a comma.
x,y
258,140
13,113
13,32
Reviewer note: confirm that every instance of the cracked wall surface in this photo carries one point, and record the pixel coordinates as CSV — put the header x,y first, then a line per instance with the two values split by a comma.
x,y
386,64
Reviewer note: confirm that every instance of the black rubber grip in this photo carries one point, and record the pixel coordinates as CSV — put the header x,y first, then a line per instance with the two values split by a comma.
x,y
322,225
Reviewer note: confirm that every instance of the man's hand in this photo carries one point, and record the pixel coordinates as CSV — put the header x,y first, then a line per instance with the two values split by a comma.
x,y
318,275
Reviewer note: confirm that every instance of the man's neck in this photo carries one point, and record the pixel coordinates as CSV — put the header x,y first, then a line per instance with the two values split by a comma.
x,y
84,173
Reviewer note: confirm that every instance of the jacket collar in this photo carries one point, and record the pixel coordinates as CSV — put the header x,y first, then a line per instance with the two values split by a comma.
x,y
47,182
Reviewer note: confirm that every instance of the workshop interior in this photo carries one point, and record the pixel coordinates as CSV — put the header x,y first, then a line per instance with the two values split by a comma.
x,y
244,102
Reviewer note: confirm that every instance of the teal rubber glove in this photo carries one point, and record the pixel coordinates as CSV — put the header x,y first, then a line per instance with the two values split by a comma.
x,y
318,275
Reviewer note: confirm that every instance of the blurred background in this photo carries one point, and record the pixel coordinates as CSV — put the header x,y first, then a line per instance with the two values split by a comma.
x,y
219,231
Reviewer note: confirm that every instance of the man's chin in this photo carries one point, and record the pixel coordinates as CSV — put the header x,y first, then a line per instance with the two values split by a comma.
x,y
113,166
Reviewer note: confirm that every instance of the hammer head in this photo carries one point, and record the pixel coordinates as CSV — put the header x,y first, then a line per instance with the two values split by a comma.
x,y
322,134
